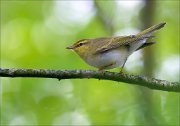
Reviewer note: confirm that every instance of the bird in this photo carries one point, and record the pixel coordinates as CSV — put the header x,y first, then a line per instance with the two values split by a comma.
x,y
107,53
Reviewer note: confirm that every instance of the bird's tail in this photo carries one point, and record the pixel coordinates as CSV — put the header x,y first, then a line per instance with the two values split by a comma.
x,y
149,31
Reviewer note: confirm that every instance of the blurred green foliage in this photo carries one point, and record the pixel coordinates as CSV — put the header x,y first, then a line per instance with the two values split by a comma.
x,y
34,34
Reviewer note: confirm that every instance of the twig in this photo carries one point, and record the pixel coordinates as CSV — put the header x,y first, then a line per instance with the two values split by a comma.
x,y
103,75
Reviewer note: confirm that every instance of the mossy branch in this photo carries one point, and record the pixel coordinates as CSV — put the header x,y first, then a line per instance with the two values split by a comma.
x,y
102,75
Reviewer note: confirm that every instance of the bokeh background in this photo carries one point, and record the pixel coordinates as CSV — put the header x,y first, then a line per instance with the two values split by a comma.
x,y
34,34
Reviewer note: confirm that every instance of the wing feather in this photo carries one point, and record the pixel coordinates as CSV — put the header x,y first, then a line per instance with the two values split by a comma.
x,y
116,42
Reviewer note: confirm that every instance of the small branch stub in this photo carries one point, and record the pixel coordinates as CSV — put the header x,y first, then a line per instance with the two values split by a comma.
x,y
102,75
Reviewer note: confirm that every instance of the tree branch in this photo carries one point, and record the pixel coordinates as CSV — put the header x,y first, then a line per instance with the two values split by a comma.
x,y
104,75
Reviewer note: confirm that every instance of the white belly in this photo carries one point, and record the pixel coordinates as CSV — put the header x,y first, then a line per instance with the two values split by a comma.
x,y
110,59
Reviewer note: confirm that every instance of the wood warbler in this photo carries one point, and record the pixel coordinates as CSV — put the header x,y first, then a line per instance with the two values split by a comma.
x,y
111,52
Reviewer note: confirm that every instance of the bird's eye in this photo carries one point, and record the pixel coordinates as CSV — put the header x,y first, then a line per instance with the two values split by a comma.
x,y
80,44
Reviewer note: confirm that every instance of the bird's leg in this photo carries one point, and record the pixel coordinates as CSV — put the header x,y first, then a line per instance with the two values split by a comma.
x,y
100,69
104,67
123,66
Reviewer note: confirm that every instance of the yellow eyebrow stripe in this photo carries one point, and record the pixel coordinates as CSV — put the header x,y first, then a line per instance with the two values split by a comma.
x,y
81,41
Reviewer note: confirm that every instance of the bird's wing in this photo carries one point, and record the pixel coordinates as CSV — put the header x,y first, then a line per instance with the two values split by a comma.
x,y
116,42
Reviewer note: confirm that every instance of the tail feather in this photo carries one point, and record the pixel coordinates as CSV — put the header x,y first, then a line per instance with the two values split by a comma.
x,y
145,45
149,31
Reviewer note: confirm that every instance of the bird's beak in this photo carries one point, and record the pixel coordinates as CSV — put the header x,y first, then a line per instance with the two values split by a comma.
x,y
70,47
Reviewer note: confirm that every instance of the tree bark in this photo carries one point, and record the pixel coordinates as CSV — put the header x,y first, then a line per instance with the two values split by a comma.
x,y
101,75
